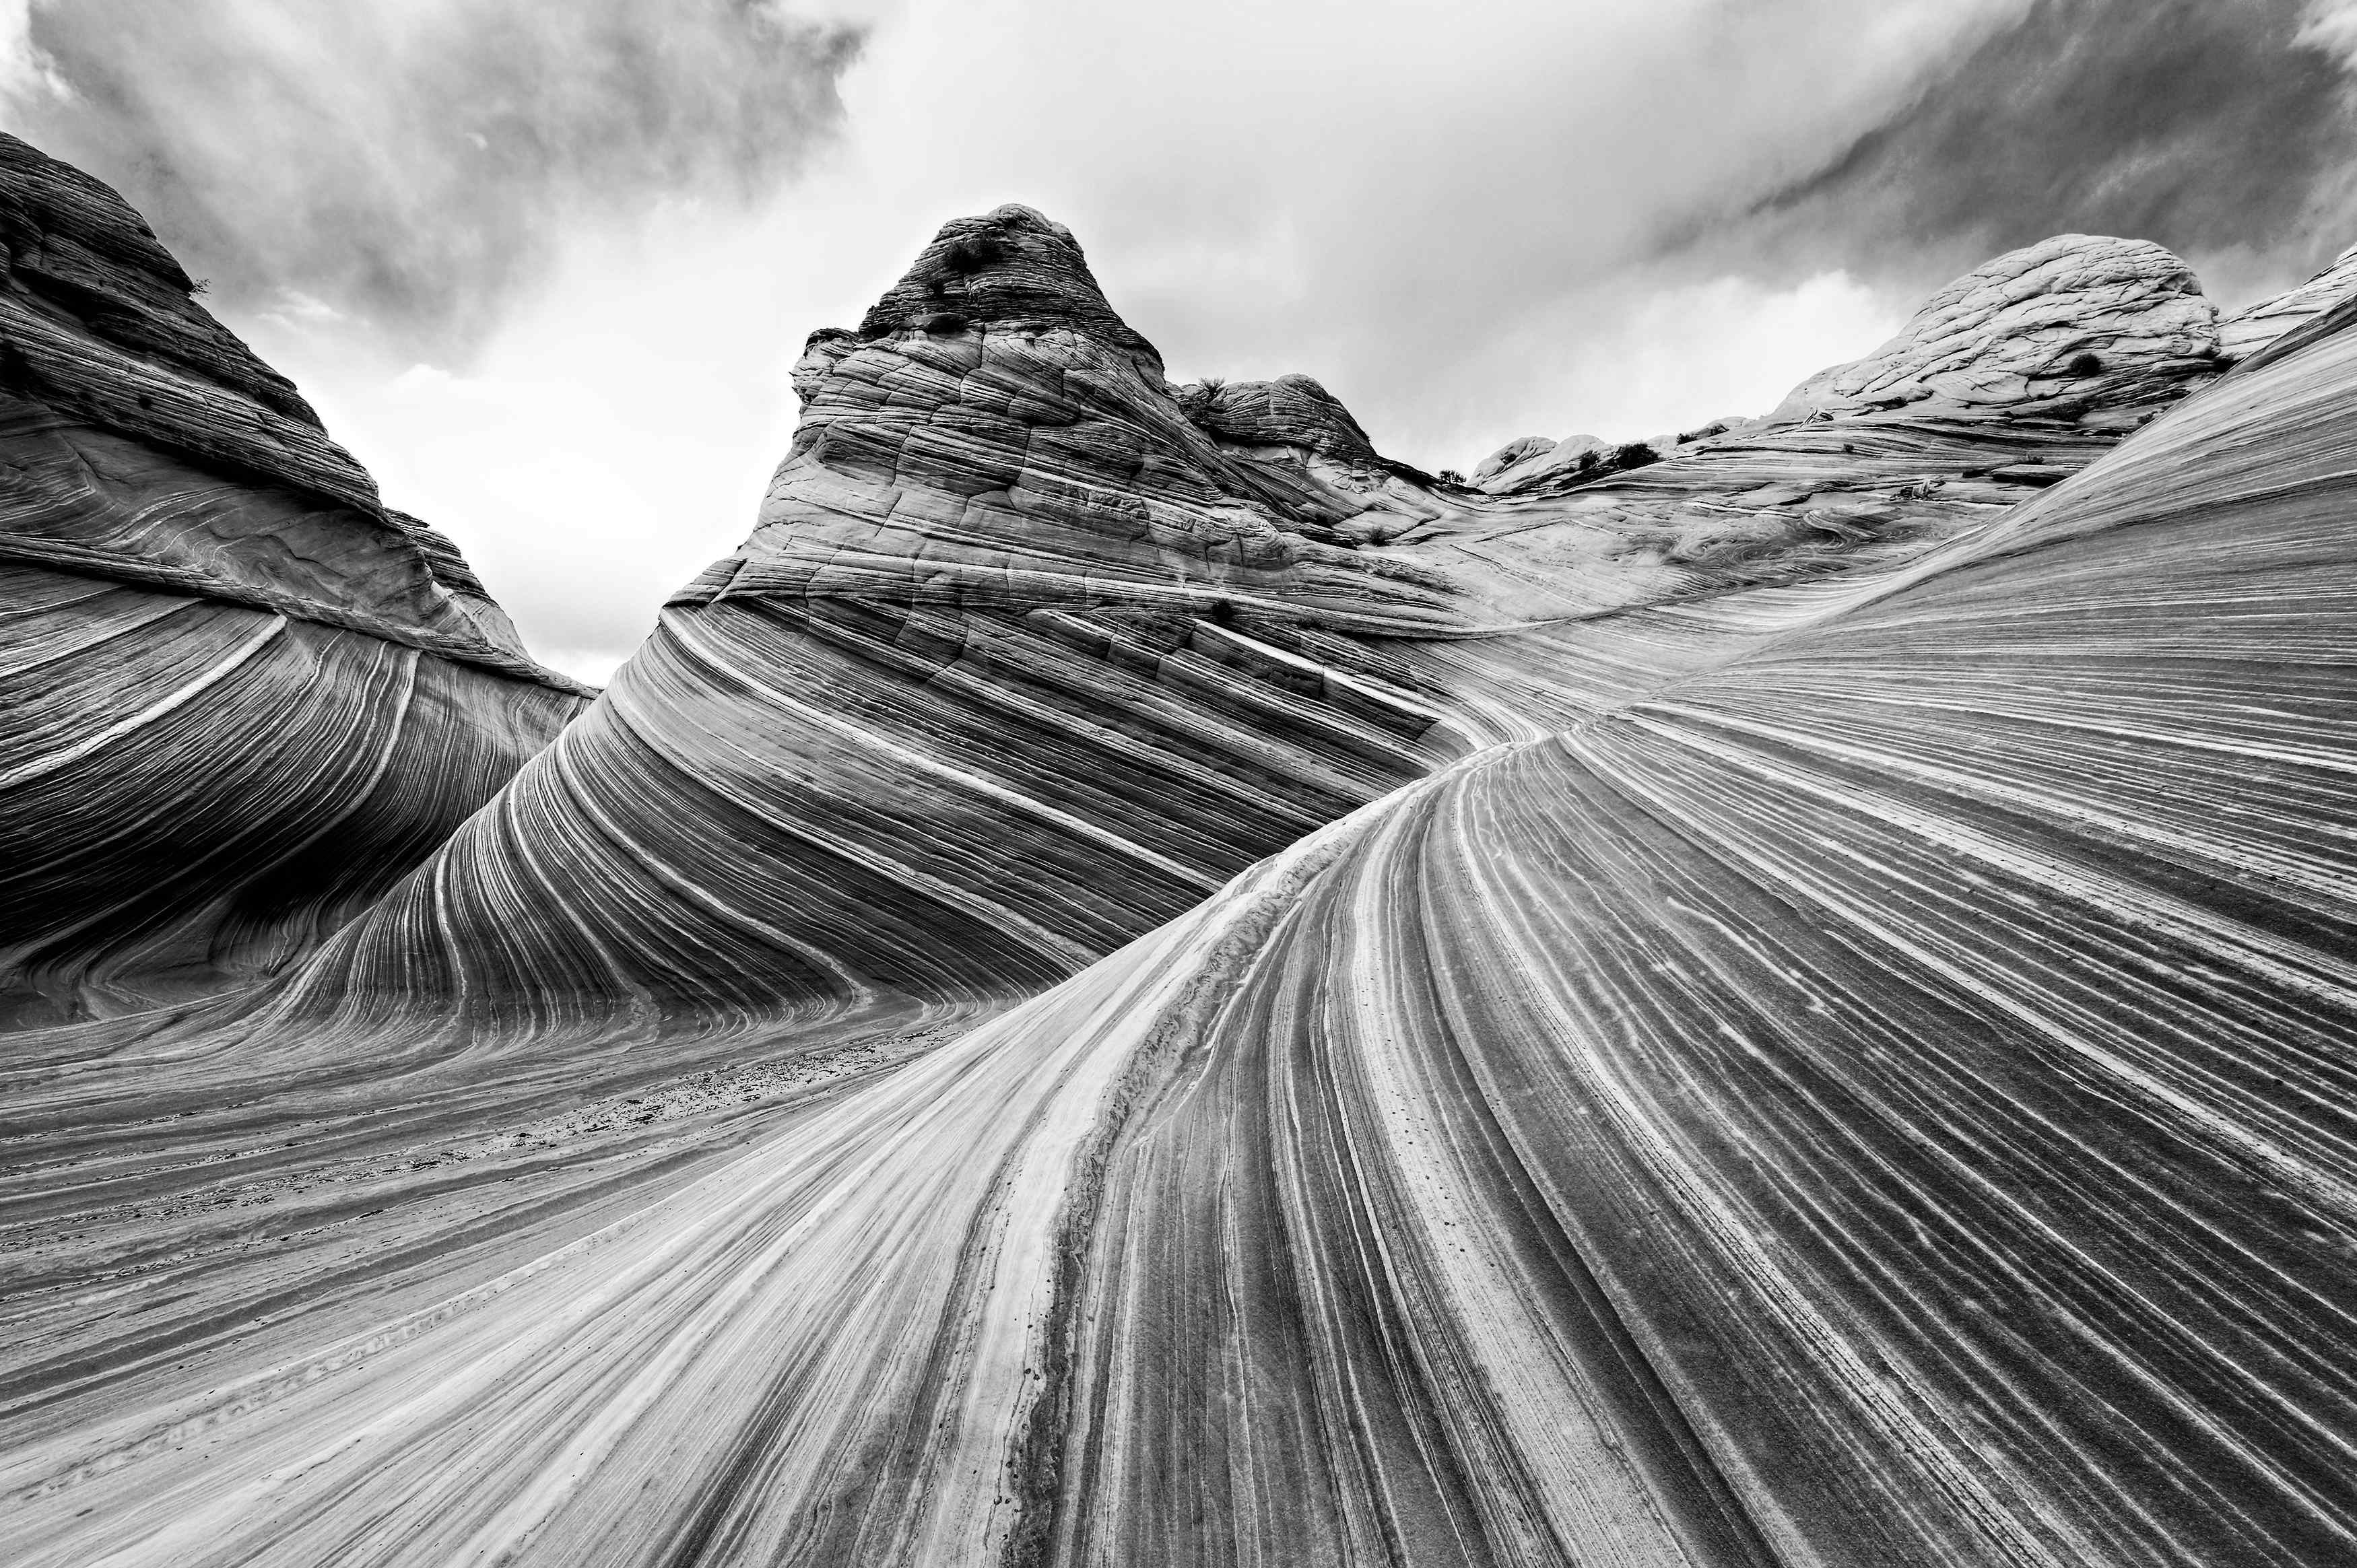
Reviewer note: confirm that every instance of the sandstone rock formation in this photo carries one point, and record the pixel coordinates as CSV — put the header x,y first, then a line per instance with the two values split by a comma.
x,y
1111,641
238,697
2071,326
2006,381
1020,662
1527,457
1128,981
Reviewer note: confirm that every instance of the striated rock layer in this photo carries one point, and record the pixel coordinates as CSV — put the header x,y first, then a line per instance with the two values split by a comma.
x,y
1884,1100
1018,662
1785,1001
1030,651
238,697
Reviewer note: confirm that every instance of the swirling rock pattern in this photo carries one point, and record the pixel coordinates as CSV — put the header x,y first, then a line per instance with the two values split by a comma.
x,y
239,698
1019,662
1101,643
1832,1049
1886,1099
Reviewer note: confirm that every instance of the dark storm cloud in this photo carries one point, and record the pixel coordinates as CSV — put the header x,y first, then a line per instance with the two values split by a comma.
x,y
412,164
2224,131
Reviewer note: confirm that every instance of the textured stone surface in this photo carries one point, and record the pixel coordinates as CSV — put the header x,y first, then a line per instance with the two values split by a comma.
x,y
1527,457
1789,1004
2049,329
2006,381
1884,1098
1030,651
1019,663
2079,332
239,698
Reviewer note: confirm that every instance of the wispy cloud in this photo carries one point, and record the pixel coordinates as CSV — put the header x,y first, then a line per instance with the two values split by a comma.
x,y
613,221
415,165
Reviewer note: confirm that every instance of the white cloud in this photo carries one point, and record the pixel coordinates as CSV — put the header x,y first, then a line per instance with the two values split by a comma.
x,y
1471,221
1431,207
594,665
1663,359
2330,26
605,446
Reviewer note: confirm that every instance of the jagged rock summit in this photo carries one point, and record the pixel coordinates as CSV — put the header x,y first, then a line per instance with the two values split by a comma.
x,y
1018,661
1013,268
994,434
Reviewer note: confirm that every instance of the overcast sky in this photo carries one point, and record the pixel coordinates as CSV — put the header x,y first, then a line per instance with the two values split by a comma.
x,y
544,266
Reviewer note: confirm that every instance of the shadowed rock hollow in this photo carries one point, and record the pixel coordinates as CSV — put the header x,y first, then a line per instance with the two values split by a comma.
x,y
1131,980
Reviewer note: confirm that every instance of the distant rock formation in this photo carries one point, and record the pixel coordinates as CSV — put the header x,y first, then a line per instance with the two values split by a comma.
x,y
1030,651
238,697
2009,379
2080,331
2078,327
1129,981
1530,457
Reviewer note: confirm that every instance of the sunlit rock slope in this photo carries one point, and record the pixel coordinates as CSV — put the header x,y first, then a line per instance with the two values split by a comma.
x,y
1130,982
238,697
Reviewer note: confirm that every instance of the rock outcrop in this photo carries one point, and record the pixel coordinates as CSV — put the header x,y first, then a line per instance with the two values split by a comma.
x,y
2006,381
238,697
1130,981
1530,457
1030,651
2075,327
1020,662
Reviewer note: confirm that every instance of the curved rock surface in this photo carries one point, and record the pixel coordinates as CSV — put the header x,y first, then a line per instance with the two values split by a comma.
x,y
2008,381
2078,331
1103,643
2052,328
1020,662
1885,1100
1789,1004
239,698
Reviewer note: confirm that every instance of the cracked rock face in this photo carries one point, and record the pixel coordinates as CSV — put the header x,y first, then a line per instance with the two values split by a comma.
x,y
2056,328
1129,981
238,697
